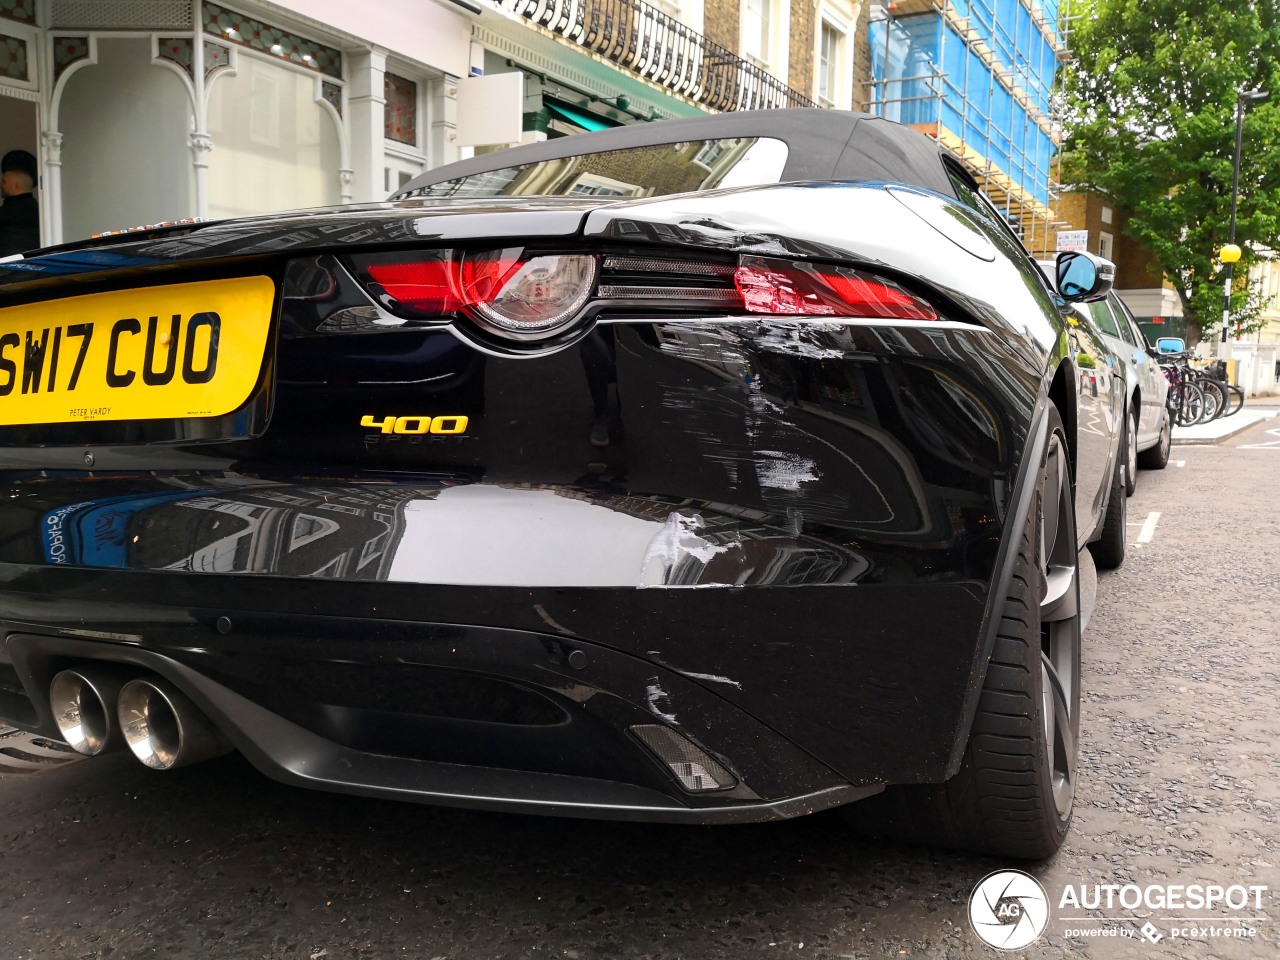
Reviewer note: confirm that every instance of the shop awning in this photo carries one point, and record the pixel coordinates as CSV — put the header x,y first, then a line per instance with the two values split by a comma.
x,y
578,118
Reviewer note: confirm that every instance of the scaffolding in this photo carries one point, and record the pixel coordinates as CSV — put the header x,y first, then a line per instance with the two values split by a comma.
x,y
977,75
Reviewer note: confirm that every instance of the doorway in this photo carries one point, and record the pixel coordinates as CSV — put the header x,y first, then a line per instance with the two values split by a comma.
x,y
20,130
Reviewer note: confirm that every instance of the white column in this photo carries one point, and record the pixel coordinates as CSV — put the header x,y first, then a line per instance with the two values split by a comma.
x,y
442,145
51,192
366,105
201,145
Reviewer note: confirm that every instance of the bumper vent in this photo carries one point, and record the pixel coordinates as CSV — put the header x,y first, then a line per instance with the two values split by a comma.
x,y
694,769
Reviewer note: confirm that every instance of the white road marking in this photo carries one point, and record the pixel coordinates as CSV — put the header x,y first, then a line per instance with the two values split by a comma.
x,y
1148,528
1270,445
1179,463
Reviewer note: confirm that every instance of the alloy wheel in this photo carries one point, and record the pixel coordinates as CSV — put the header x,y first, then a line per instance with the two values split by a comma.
x,y
1131,456
1059,626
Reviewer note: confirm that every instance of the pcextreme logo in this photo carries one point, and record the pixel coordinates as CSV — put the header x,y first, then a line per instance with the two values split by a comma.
x,y
1008,909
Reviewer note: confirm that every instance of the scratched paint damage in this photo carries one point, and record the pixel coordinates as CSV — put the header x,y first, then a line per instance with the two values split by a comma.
x,y
784,471
678,544
709,677
655,694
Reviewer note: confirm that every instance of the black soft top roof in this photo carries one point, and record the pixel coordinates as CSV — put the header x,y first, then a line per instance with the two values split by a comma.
x,y
821,145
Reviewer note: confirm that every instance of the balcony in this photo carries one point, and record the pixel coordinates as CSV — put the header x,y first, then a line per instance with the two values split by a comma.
x,y
655,46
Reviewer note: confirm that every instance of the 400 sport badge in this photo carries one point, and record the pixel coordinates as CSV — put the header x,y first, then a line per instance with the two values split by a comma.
x,y
1008,909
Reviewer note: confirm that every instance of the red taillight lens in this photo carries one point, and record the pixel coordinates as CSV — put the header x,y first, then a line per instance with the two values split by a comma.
x,y
442,285
481,277
773,287
422,287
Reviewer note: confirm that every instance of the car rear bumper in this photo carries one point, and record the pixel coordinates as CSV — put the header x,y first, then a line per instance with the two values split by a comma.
x,y
581,768
347,687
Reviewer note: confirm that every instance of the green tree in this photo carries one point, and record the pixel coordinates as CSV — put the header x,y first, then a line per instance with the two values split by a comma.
x,y
1150,107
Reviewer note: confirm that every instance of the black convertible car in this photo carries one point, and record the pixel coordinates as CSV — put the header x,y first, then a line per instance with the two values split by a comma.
x,y
710,471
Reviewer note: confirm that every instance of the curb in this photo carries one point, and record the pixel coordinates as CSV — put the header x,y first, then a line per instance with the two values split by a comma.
x,y
1228,430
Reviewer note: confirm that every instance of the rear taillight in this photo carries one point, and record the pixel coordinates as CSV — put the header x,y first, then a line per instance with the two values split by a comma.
x,y
761,285
423,288
504,296
505,291
816,290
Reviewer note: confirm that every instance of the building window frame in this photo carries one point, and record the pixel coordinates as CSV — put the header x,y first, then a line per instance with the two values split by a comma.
x,y
838,72
763,34
404,161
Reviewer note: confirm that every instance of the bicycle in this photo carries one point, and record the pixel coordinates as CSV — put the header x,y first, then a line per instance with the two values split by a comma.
x,y
1186,399
1233,396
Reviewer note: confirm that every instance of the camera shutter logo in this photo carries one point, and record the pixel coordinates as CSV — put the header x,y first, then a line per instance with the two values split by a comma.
x,y
1008,909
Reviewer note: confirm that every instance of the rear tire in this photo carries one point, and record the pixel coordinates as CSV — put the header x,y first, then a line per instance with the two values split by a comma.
x,y
1235,399
1215,400
1014,792
1191,406
1108,549
1157,457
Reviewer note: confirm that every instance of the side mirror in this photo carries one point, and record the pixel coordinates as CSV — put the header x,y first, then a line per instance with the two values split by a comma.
x,y
1171,345
1151,352
1082,277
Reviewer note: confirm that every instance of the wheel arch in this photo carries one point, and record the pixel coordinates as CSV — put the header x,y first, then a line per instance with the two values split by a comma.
x,y
1062,394
1018,505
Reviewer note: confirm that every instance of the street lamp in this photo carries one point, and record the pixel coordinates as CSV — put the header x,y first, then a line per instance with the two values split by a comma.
x,y
1231,253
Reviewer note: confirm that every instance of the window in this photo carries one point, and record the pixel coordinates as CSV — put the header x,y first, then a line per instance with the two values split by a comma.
x,y
830,64
277,148
1105,246
657,170
401,110
1102,316
590,185
712,152
755,30
1126,319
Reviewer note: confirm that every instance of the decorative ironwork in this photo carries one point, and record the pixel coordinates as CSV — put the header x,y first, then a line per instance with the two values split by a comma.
x,y
13,58
332,94
168,15
401,123
658,47
24,11
274,41
179,50
66,51
216,57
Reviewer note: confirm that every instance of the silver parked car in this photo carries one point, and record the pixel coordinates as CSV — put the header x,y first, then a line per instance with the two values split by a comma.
x,y
1149,434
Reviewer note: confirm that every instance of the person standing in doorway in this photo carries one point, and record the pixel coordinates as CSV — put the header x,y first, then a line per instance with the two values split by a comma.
x,y
19,217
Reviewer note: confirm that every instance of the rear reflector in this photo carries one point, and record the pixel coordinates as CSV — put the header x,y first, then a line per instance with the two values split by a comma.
x,y
696,771
532,297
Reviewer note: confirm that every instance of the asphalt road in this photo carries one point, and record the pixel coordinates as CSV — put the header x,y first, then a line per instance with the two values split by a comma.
x,y
102,858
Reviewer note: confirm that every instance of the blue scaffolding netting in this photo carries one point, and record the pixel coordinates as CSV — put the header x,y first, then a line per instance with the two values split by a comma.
x,y
979,72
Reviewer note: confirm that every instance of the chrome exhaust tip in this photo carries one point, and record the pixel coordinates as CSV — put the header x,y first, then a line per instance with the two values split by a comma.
x,y
83,702
163,728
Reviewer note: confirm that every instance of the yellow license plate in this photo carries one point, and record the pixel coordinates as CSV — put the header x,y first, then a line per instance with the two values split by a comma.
x,y
182,350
